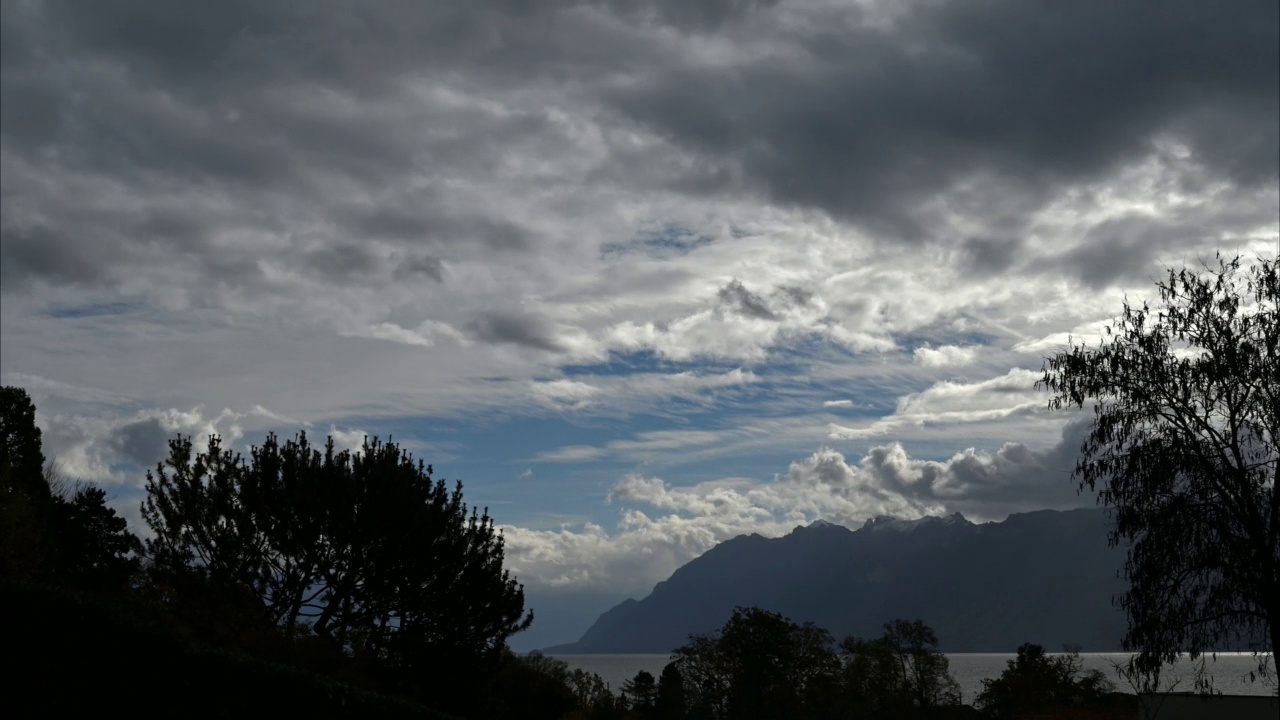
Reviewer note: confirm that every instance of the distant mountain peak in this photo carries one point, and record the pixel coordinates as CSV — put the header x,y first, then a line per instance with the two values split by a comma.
x,y
889,522
820,526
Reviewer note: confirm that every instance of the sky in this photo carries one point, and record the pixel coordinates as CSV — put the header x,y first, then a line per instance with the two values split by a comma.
x,y
644,276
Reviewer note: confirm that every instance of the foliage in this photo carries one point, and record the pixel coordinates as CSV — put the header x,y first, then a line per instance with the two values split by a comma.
x,y
759,665
1036,683
528,686
1183,448
641,693
671,702
899,672
25,500
93,549
365,550
50,531
21,455
594,700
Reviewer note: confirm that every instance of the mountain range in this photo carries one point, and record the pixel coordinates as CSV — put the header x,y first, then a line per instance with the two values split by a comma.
x,y
1046,577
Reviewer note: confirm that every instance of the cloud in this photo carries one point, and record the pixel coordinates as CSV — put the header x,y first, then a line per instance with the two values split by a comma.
x,y
351,439
738,297
727,181
741,324
945,356
1011,394
565,394
143,442
117,451
1090,333
571,453
517,329
971,104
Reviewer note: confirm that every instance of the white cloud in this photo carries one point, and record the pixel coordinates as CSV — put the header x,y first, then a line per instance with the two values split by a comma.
x,y
564,394
571,453
351,439
1011,394
118,450
427,334
946,356
1089,333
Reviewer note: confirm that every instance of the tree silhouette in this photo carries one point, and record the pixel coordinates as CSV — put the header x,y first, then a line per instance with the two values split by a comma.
x,y
641,693
25,500
762,665
899,672
365,549
759,665
65,535
1183,447
1035,683
671,703
92,548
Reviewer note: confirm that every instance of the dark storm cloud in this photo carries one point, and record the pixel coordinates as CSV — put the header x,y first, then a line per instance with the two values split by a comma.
x,y
696,15
420,266
1116,246
516,329
39,252
430,221
142,443
867,124
894,117
269,105
1015,478
341,262
990,255
736,296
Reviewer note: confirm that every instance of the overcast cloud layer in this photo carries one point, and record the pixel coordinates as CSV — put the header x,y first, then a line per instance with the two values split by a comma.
x,y
645,275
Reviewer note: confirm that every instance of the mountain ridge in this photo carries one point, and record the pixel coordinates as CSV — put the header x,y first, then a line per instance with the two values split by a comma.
x,y
1045,576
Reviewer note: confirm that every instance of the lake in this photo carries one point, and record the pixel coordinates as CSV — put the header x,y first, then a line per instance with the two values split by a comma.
x,y
1230,671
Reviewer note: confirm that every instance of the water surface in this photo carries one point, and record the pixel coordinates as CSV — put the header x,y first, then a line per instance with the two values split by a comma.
x,y
1229,672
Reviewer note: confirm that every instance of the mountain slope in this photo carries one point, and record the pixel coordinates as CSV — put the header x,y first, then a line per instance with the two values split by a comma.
x,y
1046,577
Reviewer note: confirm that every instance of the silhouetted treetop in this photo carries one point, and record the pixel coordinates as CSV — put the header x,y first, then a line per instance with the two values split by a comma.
x,y
364,549
1036,683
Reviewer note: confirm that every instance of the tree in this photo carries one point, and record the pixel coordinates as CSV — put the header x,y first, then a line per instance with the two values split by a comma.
x,y
51,531
1183,449
594,700
900,672
92,548
759,665
641,693
671,702
364,550
531,686
1035,683
25,500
